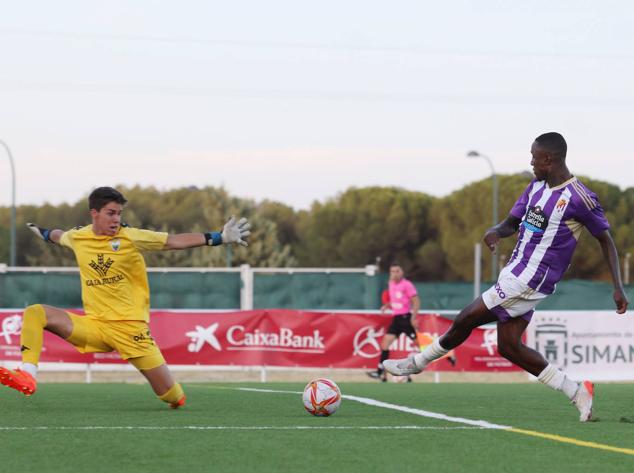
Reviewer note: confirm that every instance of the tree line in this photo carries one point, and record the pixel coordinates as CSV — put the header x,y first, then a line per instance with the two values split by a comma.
x,y
431,237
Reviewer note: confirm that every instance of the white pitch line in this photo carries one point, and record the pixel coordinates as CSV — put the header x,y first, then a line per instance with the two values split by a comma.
x,y
258,390
434,415
229,427
410,410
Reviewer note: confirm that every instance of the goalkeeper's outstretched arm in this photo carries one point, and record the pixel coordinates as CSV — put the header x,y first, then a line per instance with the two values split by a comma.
x,y
49,236
232,232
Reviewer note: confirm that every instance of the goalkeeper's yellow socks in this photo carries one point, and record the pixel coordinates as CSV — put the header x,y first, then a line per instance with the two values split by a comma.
x,y
175,396
31,340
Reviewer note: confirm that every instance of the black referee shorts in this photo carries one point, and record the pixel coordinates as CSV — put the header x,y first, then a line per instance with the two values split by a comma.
x,y
402,324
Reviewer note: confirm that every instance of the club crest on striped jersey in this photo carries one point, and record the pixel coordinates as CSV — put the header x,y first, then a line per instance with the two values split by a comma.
x,y
536,220
561,205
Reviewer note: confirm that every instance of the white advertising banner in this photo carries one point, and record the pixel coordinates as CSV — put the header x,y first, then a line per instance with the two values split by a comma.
x,y
593,345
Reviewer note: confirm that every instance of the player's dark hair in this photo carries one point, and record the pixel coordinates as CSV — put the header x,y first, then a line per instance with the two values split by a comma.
x,y
102,196
395,263
554,143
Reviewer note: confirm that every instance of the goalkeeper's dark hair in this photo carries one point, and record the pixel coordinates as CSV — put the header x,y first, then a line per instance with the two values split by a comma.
x,y
554,143
102,196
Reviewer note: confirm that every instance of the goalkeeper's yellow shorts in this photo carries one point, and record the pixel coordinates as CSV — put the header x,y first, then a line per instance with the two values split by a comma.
x,y
130,338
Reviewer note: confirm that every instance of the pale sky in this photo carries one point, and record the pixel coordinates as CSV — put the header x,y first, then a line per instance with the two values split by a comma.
x,y
297,101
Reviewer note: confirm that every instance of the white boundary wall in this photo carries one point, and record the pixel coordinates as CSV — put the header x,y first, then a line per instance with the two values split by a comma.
x,y
594,345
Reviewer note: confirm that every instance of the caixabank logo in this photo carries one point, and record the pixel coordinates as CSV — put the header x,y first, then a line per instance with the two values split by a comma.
x,y
238,337
551,340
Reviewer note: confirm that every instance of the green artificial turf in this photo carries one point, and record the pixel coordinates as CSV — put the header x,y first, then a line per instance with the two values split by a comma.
x,y
123,428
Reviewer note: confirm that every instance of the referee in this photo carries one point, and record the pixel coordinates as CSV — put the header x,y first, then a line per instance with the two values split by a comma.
x,y
404,302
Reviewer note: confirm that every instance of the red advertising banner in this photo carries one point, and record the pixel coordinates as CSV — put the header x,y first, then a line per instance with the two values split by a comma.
x,y
275,338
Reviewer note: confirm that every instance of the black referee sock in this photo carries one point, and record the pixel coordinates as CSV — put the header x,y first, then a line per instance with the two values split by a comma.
x,y
385,354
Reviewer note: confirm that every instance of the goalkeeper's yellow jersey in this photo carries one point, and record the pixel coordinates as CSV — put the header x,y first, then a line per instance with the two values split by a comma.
x,y
114,283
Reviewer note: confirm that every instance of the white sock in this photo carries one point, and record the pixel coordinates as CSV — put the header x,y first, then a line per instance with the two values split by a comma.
x,y
557,380
29,368
429,354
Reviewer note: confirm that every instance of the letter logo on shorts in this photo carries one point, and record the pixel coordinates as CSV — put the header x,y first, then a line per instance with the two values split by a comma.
x,y
499,290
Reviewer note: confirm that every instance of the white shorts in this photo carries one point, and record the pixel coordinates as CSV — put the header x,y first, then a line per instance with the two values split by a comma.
x,y
510,298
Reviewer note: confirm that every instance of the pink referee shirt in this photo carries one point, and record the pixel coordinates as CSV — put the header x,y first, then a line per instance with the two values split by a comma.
x,y
401,294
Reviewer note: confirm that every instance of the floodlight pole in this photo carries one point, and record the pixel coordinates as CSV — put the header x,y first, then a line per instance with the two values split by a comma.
x,y
494,212
12,251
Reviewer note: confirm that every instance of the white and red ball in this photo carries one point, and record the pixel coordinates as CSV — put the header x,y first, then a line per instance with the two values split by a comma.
x,y
322,397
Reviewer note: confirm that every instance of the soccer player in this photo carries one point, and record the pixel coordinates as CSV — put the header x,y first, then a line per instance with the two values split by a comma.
x,y
549,215
115,294
404,302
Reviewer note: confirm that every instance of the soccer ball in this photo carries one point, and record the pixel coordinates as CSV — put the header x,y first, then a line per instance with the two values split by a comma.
x,y
322,397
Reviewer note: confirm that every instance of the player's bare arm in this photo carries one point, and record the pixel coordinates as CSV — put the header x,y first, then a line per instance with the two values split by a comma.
x,y
233,232
503,229
181,241
612,258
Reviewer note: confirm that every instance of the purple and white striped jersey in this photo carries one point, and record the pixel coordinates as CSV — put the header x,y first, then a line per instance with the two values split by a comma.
x,y
552,220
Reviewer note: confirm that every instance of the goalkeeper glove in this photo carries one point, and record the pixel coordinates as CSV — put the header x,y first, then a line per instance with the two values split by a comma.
x,y
43,233
232,232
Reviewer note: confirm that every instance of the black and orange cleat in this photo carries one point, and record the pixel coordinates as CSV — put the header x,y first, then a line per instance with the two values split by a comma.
x,y
18,380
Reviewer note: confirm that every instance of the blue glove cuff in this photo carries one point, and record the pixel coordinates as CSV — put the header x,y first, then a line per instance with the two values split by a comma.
x,y
46,234
213,238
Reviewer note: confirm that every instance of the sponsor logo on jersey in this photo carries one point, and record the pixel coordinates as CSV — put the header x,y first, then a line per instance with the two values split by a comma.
x,y
535,221
102,266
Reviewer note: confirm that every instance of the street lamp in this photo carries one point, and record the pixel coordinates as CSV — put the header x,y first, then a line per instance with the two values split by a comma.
x,y
12,251
494,181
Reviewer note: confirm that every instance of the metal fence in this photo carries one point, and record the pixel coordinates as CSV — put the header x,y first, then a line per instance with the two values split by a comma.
x,y
285,288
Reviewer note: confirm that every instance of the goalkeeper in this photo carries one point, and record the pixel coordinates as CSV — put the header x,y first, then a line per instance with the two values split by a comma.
x,y
115,294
